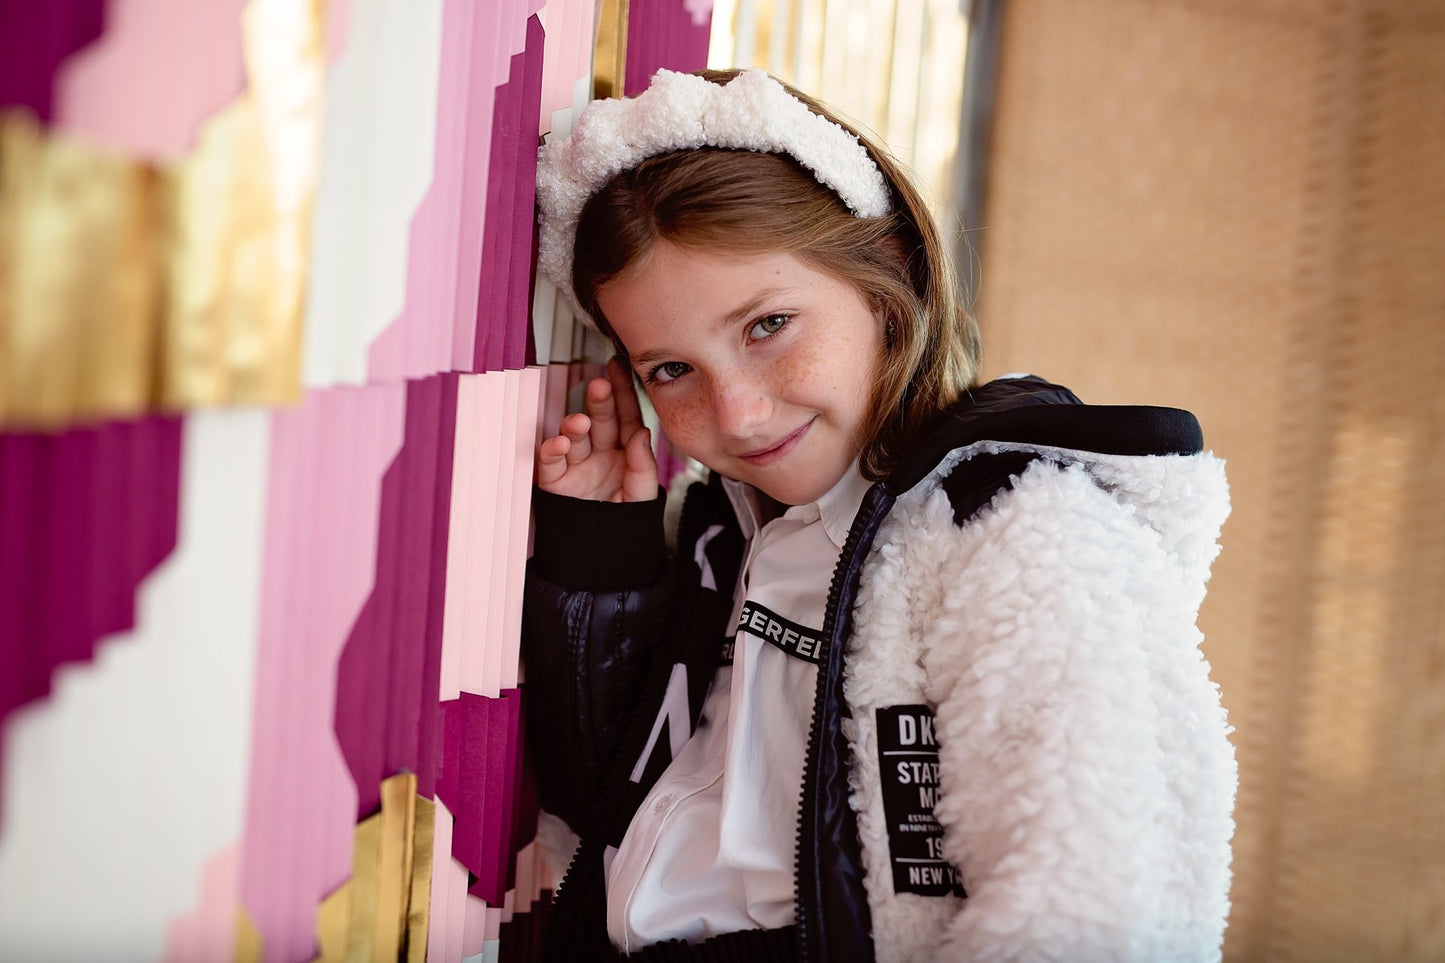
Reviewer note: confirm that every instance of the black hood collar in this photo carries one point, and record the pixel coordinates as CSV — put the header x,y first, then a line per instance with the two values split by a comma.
x,y
1031,411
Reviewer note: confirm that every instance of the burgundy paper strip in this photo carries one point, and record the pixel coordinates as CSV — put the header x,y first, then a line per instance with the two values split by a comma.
x,y
479,785
504,302
527,96
85,516
660,33
492,294
36,36
502,219
387,714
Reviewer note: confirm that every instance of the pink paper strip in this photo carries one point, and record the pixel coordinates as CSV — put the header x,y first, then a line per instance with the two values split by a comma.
x,y
456,909
338,23
123,92
208,933
327,461
474,935
529,390
482,593
475,82
439,936
504,521
458,545
423,337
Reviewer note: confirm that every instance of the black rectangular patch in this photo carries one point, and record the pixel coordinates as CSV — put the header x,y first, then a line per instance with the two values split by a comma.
x,y
799,641
908,762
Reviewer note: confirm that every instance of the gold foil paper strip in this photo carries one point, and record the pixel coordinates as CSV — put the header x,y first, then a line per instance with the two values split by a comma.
x,y
393,864
418,916
248,938
333,920
81,283
129,287
383,912
609,55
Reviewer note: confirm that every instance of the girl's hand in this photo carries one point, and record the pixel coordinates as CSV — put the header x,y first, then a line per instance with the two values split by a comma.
x,y
604,455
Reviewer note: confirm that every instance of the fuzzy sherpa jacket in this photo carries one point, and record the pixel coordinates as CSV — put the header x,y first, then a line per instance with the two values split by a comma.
x,y
1016,754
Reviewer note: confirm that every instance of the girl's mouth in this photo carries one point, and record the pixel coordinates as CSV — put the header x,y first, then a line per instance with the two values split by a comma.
x,y
766,456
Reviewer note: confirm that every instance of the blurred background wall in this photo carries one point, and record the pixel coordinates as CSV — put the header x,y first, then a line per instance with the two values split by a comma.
x,y
1236,207
273,367
1239,208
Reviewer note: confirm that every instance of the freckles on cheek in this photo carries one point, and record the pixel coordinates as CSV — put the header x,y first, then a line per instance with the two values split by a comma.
x,y
798,368
681,421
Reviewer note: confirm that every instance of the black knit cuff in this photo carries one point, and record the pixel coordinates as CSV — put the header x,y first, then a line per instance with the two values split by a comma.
x,y
597,546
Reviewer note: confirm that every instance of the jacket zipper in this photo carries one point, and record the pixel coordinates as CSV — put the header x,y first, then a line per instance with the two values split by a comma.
x,y
875,505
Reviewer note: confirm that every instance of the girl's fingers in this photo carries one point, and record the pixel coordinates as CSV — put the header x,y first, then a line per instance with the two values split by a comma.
x,y
552,461
603,412
576,429
624,394
639,480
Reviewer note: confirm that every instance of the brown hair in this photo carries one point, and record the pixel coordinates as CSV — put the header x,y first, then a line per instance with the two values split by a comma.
x,y
746,201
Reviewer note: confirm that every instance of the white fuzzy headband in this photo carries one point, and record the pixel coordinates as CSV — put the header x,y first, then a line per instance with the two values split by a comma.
x,y
680,112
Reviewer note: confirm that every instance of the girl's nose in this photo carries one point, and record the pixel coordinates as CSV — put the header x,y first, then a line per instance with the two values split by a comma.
x,y
741,406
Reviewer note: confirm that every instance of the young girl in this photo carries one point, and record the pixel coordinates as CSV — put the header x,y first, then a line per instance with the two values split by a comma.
x,y
920,677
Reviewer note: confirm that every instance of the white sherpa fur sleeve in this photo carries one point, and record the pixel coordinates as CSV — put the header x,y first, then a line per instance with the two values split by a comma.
x,y
1087,780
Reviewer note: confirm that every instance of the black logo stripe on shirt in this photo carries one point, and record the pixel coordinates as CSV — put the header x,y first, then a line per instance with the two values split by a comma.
x,y
799,641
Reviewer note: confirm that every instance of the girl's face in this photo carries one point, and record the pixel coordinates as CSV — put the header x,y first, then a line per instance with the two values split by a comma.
x,y
758,366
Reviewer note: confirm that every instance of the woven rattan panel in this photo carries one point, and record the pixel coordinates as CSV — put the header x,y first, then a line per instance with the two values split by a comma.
x,y
1237,207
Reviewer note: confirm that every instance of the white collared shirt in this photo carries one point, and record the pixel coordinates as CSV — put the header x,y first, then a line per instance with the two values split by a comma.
x,y
711,848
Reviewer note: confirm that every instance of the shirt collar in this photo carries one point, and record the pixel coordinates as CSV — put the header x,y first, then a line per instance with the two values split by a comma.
x,y
840,504
744,499
835,508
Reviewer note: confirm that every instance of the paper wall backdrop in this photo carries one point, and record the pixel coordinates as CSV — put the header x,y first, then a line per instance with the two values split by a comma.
x,y
273,365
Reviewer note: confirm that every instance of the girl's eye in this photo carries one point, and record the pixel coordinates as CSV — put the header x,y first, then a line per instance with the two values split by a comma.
x,y
768,326
667,371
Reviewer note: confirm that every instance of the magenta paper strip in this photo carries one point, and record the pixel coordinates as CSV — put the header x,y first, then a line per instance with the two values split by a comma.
x,y
508,125
324,491
87,515
492,278
528,101
479,785
387,717
503,751
663,33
